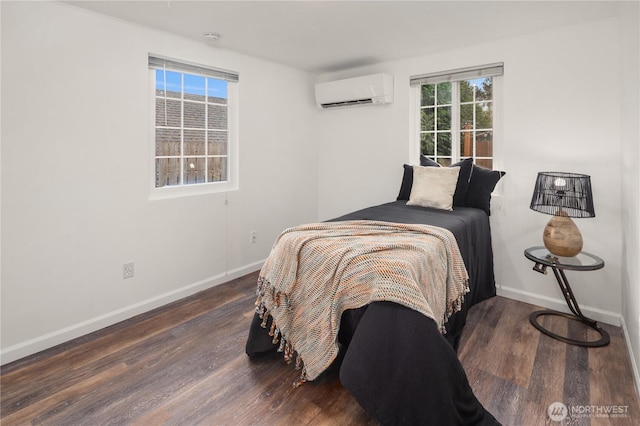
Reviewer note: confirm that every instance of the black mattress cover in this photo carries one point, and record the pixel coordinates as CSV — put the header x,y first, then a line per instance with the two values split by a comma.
x,y
394,360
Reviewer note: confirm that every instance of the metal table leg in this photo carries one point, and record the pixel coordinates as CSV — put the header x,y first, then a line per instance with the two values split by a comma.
x,y
573,306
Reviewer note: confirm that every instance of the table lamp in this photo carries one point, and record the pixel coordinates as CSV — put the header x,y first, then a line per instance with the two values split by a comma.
x,y
563,195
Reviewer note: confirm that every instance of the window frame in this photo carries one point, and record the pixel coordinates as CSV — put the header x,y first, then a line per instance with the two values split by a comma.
x,y
191,189
495,71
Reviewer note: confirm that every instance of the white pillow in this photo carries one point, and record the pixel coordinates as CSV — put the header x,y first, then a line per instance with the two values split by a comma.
x,y
433,187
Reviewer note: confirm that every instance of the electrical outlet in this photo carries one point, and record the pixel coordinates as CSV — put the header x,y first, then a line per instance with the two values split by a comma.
x,y
253,237
127,270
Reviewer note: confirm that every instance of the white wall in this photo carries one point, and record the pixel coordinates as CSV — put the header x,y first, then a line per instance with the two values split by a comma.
x,y
560,110
75,175
630,76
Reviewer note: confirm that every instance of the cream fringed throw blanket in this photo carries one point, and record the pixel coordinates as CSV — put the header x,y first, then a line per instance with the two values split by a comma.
x,y
317,271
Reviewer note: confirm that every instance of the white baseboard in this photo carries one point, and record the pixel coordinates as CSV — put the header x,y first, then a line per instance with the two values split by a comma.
x,y
632,358
597,314
49,340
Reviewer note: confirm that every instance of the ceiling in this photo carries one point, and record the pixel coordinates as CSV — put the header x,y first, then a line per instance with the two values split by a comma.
x,y
325,36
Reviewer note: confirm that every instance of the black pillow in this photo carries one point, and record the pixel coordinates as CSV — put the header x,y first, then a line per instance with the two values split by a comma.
x,y
428,162
407,183
481,185
462,186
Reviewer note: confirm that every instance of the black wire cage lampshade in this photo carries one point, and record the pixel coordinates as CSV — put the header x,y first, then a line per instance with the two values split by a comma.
x,y
563,195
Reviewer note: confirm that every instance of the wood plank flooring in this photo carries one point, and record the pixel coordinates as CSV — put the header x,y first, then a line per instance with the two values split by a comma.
x,y
184,364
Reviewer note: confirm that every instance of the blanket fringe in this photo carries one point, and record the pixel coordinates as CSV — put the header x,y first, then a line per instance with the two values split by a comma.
x,y
455,306
287,349
301,380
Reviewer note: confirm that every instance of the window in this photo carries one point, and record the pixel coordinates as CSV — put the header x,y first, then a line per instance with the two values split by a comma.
x,y
194,134
456,115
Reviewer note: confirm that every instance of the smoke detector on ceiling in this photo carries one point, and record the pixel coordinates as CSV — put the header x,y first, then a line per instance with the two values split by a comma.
x,y
212,36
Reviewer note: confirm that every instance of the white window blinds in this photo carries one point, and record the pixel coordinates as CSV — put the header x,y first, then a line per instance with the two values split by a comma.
x,y
159,62
489,70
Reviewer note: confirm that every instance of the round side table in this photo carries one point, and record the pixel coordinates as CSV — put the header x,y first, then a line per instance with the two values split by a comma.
x,y
581,262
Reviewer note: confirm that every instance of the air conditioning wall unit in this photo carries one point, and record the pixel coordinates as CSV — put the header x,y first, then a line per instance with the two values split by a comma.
x,y
371,89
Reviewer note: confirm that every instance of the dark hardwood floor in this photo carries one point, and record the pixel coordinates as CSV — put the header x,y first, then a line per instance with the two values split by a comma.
x,y
184,364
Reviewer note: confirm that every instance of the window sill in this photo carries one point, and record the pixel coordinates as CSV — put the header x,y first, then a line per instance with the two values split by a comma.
x,y
169,192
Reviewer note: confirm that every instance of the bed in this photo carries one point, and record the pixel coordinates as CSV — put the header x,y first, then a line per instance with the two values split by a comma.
x,y
398,363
